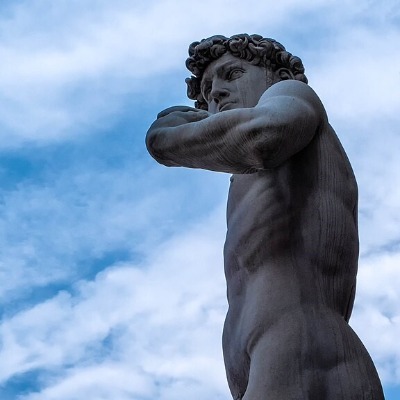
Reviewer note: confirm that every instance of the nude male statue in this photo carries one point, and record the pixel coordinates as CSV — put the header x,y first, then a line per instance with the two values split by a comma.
x,y
291,249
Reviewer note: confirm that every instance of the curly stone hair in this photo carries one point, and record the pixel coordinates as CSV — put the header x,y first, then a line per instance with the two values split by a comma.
x,y
253,48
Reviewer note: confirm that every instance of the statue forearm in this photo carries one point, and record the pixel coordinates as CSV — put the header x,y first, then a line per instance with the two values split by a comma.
x,y
220,142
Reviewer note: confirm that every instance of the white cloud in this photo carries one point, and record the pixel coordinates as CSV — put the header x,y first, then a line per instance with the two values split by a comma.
x,y
162,319
48,229
362,71
102,382
376,317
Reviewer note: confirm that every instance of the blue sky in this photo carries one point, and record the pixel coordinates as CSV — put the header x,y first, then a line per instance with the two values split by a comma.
x,y
111,265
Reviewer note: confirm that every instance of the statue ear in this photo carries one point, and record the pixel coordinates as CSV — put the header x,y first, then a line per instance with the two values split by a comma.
x,y
285,74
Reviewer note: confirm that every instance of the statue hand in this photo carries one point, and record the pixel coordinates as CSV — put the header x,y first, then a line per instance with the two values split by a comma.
x,y
170,110
169,128
179,115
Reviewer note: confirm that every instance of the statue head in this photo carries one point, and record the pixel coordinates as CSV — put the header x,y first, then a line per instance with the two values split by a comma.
x,y
276,63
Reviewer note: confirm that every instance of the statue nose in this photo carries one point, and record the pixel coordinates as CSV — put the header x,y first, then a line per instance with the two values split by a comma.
x,y
218,93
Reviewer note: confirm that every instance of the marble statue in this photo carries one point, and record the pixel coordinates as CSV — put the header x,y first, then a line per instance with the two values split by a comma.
x,y
291,249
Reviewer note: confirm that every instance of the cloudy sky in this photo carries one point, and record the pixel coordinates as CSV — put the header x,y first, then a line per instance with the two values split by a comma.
x,y
112,282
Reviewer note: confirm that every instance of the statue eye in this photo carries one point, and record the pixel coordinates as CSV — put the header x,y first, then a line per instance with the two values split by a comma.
x,y
235,73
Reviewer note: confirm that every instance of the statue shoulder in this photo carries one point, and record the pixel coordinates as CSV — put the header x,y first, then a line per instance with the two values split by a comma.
x,y
299,91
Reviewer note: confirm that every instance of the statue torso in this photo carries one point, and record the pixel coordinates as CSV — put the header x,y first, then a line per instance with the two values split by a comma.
x,y
292,236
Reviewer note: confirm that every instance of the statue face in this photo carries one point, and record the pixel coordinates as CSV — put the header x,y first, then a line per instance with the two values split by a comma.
x,y
230,82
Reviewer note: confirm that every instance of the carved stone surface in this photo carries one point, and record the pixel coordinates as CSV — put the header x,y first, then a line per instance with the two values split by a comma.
x,y
291,249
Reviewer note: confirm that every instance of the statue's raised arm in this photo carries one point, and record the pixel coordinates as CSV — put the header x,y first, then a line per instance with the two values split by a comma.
x,y
239,140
